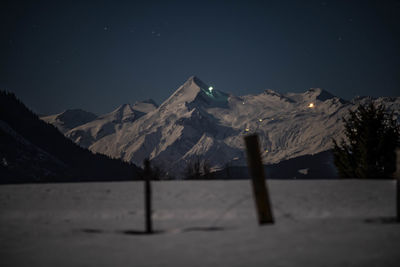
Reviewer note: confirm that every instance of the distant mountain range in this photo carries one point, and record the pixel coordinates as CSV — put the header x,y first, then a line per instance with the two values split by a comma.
x,y
198,121
32,150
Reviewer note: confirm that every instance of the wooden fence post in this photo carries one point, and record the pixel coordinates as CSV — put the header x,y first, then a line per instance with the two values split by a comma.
x,y
147,196
397,176
260,191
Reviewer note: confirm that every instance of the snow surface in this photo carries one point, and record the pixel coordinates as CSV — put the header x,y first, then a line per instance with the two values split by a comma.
x,y
200,223
196,122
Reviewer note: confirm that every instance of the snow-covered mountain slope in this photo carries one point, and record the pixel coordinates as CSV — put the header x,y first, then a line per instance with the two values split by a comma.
x,y
87,134
69,119
199,121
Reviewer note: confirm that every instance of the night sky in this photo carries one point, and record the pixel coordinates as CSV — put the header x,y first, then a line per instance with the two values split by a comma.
x,y
96,55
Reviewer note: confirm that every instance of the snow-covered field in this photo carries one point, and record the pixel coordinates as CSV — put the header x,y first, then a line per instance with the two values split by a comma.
x,y
200,223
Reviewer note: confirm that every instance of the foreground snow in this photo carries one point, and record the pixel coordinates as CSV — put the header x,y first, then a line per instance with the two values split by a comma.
x,y
201,223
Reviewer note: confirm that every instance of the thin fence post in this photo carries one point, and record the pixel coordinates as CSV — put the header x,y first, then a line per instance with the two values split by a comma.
x,y
397,176
260,191
147,196
398,198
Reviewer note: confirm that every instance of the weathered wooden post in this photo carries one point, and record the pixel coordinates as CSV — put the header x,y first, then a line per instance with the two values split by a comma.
x,y
397,176
147,196
260,191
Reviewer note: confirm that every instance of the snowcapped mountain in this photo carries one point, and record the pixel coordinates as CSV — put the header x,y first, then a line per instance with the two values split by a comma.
x,y
69,119
200,121
87,134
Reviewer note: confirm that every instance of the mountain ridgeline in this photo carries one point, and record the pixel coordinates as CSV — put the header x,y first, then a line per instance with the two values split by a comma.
x,y
32,150
198,121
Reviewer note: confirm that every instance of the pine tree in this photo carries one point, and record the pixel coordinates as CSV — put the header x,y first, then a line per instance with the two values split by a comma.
x,y
372,137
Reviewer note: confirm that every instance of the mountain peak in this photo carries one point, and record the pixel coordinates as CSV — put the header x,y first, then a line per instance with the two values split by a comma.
x,y
319,94
187,92
195,93
196,81
124,108
272,92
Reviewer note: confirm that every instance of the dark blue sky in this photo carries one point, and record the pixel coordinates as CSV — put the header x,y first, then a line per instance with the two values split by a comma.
x,y
97,55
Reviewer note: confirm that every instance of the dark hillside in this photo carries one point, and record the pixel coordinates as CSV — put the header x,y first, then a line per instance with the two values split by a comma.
x,y
32,150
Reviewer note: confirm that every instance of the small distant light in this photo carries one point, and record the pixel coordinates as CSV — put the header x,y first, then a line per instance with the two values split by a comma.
x,y
210,89
266,150
247,129
260,120
243,103
311,105
272,119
